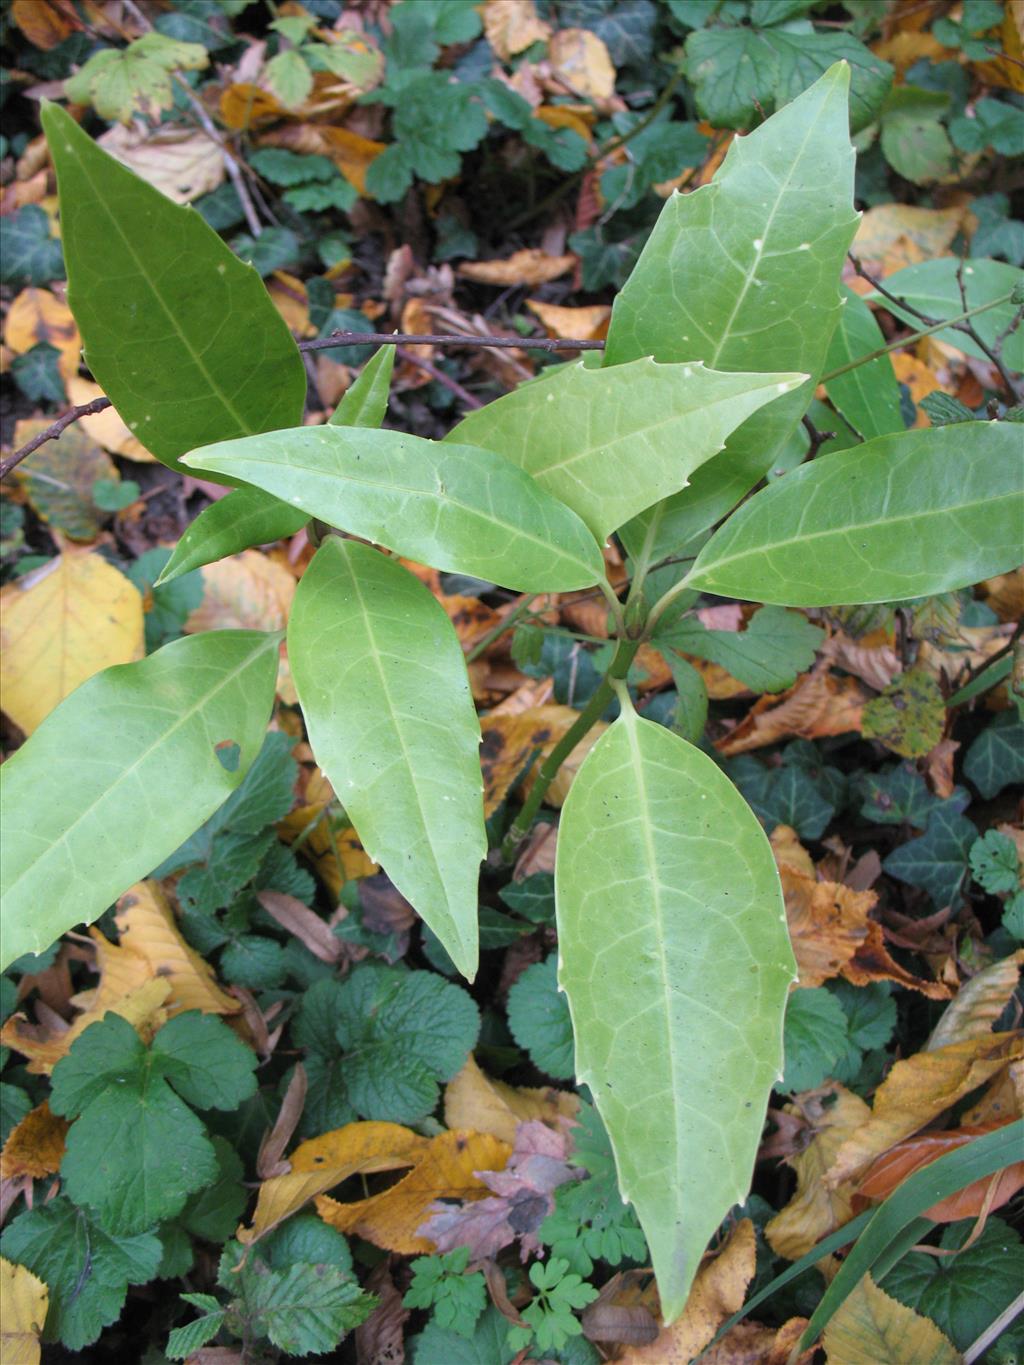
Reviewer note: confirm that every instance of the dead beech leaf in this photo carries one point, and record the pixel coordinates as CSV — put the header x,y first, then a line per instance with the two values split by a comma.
x,y
751,1343
46,23
817,705
512,26
578,324
35,1146
247,592
814,1211
44,1046
874,663
919,378
289,298
245,106
978,1003
307,926
917,1090
907,47
471,618
182,163
510,741
25,1301
106,427
445,1169
61,624
1003,1100
873,962
718,1291
270,1157
901,1161
37,315
475,1101
579,60
871,1328
529,267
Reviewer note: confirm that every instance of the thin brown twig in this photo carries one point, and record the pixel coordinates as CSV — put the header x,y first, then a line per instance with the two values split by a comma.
x,y
51,432
452,385
992,353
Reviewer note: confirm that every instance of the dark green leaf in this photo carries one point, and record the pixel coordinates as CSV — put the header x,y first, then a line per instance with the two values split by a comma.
x,y
37,375
939,860
767,656
538,1015
814,1038
29,254
305,1309
996,758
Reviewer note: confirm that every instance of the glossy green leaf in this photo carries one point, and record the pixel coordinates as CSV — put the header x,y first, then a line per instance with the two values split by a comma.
x,y
868,396
456,507
366,401
121,772
609,443
676,962
181,334
745,271
383,686
246,517
909,515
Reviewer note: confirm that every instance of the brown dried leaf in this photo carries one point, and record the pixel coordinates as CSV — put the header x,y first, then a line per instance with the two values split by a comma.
x,y
978,1003
512,26
982,1196
817,705
751,1343
307,926
873,962
182,163
527,267
35,1146
379,1340
510,740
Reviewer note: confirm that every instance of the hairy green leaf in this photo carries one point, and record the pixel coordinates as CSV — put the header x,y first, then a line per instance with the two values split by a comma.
x,y
908,515
539,1020
163,306
457,507
814,1038
121,772
676,962
384,689
609,443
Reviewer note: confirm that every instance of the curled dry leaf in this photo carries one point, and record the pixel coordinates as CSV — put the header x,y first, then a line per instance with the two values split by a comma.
x,y
35,1146
1005,595
817,705
978,1003
476,1101
379,1339
871,1328
529,267
751,1343
1003,1100
307,926
901,1161
580,62
578,324
270,1157
25,1299
182,163
46,23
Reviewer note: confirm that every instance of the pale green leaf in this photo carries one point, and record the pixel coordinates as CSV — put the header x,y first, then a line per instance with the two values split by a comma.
x,y
609,443
366,401
289,78
121,773
384,690
676,961
246,517
153,290
456,507
745,271
908,515
868,396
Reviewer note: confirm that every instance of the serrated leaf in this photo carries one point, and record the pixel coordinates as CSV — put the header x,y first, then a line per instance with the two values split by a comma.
x,y
538,1017
872,1328
995,863
383,685
456,507
305,1309
676,962
747,268
188,1340
213,1213
909,515
208,1065
868,396
609,443
437,1345
767,656
150,286
814,1039
289,78
120,772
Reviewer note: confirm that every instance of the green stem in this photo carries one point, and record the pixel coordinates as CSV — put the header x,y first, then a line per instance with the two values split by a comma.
x,y
663,603
506,623
914,336
592,712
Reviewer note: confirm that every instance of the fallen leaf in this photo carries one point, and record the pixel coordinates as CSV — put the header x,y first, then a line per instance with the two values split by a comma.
x,y
290,299
336,855
270,1157
834,1114
44,1046
751,1343
558,788
25,1301
938,768
35,1146
379,1340
511,741
978,1004
46,23
61,624
182,163
982,1196
907,47
247,592
579,117
871,658
1007,69
919,378
827,924
909,717
471,618
917,1090
1003,1100
891,236
476,1101
106,427
580,61
817,705
37,315
873,962
718,1291
871,1328
529,267
307,926
245,106
453,1165
578,324
511,26
1005,593
59,477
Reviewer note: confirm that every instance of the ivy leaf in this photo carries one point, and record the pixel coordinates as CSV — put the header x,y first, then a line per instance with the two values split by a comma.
x,y
29,253
37,375
814,1038
897,795
789,795
767,656
996,758
538,1016
87,1270
939,860
995,863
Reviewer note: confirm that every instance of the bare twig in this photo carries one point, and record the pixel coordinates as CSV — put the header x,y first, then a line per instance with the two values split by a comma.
x,y
51,432
992,353
452,385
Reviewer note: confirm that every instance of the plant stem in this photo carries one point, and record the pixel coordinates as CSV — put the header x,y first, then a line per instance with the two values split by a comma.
x,y
663,603
506,623
592,712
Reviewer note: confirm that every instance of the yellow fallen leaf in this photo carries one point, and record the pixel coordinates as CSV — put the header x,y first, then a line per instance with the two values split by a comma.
x,y
512,26
580,60
182,163
918,1089
1003,1100
907,47
510,740
531,266
871,1328
892,236
35,1146
336,855
244,106
24,1300
44,1047
289,296
445,1170
919,378
325,1161
578,324
814,1211
37,315
718,1291
106,427
247,592
45,23
579,117
978,1003
476,1101
1005,595
61,624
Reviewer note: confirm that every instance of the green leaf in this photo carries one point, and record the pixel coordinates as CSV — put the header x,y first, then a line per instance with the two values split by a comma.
x,y
437,1345
246,517
908,716
213,1213
745,270
208,1065
440,1282
995,124
609,443
86,1270
365,402
306,1239
37,375
383,685
402,1032
931,287
896,796
909,515
691,711
944,410
151,287
868,396
539,1019
456,507
283,167
170,605
14,1105
305,1309
996,758
123,82
29,253
995,864
676,962
776,646
913,140
121,772
814,1039
939,860
289,78
186,1341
